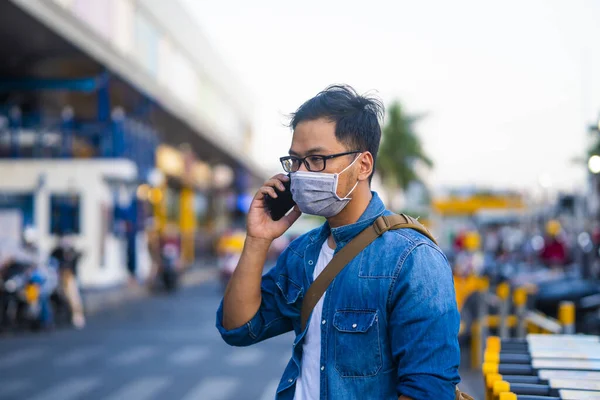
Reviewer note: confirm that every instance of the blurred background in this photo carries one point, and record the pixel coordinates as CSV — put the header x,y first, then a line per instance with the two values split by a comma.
x,y
134,133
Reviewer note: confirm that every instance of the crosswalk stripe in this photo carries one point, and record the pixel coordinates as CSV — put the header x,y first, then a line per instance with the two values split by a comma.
x,y
217,388
77,357
245,357
20,356
10,389
69,390
270,391
134,355
189,355
141,389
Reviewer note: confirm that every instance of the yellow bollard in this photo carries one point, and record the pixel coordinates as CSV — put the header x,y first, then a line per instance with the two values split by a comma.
x,y
489,384
520,301
508,396
491,356
489,368
500,387
566,316
503,291
493,343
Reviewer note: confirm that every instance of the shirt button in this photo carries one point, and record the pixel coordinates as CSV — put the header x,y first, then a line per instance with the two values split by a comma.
x,y
354,326
322,368
290,380
310,262
323,322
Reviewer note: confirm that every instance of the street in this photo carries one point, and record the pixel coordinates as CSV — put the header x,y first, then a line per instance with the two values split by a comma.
x,y
156,348
161,347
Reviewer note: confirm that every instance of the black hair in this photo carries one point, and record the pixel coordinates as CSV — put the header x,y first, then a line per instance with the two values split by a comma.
x,y
356,117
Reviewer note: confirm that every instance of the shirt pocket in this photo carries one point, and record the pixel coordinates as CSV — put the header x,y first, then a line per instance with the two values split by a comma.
x,y
290,290
357,346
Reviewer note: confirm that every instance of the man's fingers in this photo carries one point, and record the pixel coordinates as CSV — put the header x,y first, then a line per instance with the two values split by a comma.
x,y
275,183
268,191
292,216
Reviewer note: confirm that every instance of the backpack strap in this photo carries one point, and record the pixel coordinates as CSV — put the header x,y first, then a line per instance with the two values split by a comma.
x,y
411,223
381,225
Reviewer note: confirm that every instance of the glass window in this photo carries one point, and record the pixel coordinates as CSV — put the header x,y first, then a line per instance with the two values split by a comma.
x,y
65,214
21,202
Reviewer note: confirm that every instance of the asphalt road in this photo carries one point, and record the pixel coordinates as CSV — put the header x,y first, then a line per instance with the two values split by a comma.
x,y
162,347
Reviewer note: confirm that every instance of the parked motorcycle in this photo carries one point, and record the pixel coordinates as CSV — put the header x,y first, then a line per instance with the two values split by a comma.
x,y
24,298
14,279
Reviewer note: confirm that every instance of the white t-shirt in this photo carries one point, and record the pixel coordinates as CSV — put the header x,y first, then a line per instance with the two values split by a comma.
x,y
308,384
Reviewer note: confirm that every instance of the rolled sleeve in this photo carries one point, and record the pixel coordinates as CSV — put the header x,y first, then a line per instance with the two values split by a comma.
x,y
242,336
424,324
270,320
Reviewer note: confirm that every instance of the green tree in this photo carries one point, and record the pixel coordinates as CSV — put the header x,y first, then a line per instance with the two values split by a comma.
x,y
400,149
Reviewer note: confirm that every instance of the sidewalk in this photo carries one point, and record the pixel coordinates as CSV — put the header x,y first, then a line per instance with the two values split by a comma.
x,y
96,300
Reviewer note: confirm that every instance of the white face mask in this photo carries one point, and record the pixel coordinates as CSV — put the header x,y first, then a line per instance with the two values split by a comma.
x,y
315,193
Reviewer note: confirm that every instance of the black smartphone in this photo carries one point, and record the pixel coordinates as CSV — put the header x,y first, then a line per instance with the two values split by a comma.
x,y
280,206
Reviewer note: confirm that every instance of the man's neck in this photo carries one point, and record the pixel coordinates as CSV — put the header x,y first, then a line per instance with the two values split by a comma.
x,y
352,212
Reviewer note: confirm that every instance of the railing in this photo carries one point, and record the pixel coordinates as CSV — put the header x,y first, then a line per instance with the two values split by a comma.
x,y
38,136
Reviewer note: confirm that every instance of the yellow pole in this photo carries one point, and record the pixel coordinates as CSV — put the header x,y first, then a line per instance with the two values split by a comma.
x,y
503,292
491,356
566,316
520,301
508,396
500,387
187,224
158,198
493,343
489,384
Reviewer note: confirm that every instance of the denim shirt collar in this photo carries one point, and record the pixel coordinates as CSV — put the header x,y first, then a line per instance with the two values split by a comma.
x,y
343,234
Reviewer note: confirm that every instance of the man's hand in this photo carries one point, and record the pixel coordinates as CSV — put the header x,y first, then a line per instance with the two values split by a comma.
x,y
260,224
243,293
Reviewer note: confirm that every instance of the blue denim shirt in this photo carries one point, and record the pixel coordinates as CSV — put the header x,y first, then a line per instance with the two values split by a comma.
x,y
390,321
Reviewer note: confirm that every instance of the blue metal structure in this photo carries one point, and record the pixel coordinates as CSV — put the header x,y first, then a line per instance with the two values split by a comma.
x,y
111,134
86,85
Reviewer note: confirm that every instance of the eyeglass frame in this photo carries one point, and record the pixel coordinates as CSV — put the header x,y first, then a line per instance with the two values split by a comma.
x,y
325,158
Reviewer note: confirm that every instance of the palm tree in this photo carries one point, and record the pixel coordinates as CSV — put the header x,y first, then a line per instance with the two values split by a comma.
x,y
400,150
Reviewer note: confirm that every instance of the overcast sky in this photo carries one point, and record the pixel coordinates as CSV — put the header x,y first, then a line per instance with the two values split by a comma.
x,y
509,87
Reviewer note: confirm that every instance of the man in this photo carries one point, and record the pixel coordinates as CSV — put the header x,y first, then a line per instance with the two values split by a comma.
x,y
387,326
554,253
68,257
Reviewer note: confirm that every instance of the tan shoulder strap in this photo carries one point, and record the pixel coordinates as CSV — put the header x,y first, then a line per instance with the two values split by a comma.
x,y
351,250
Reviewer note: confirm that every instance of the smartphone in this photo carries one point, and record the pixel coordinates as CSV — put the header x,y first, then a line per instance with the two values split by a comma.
x,y
280,206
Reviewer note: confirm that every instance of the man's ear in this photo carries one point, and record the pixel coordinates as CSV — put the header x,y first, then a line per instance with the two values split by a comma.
x,y
366,166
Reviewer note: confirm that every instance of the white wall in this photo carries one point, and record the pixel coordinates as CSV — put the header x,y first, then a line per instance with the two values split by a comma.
x,y
88,179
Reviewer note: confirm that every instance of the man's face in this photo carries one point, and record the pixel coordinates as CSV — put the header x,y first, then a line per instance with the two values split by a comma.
x,y
317,137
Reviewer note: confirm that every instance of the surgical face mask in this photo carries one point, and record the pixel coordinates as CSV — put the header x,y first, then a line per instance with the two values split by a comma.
x,y
315,193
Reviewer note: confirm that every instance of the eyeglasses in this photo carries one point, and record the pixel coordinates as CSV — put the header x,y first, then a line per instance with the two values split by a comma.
x,y
313,163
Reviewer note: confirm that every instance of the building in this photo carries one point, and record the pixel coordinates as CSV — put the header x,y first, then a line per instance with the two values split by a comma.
x,y
114,113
